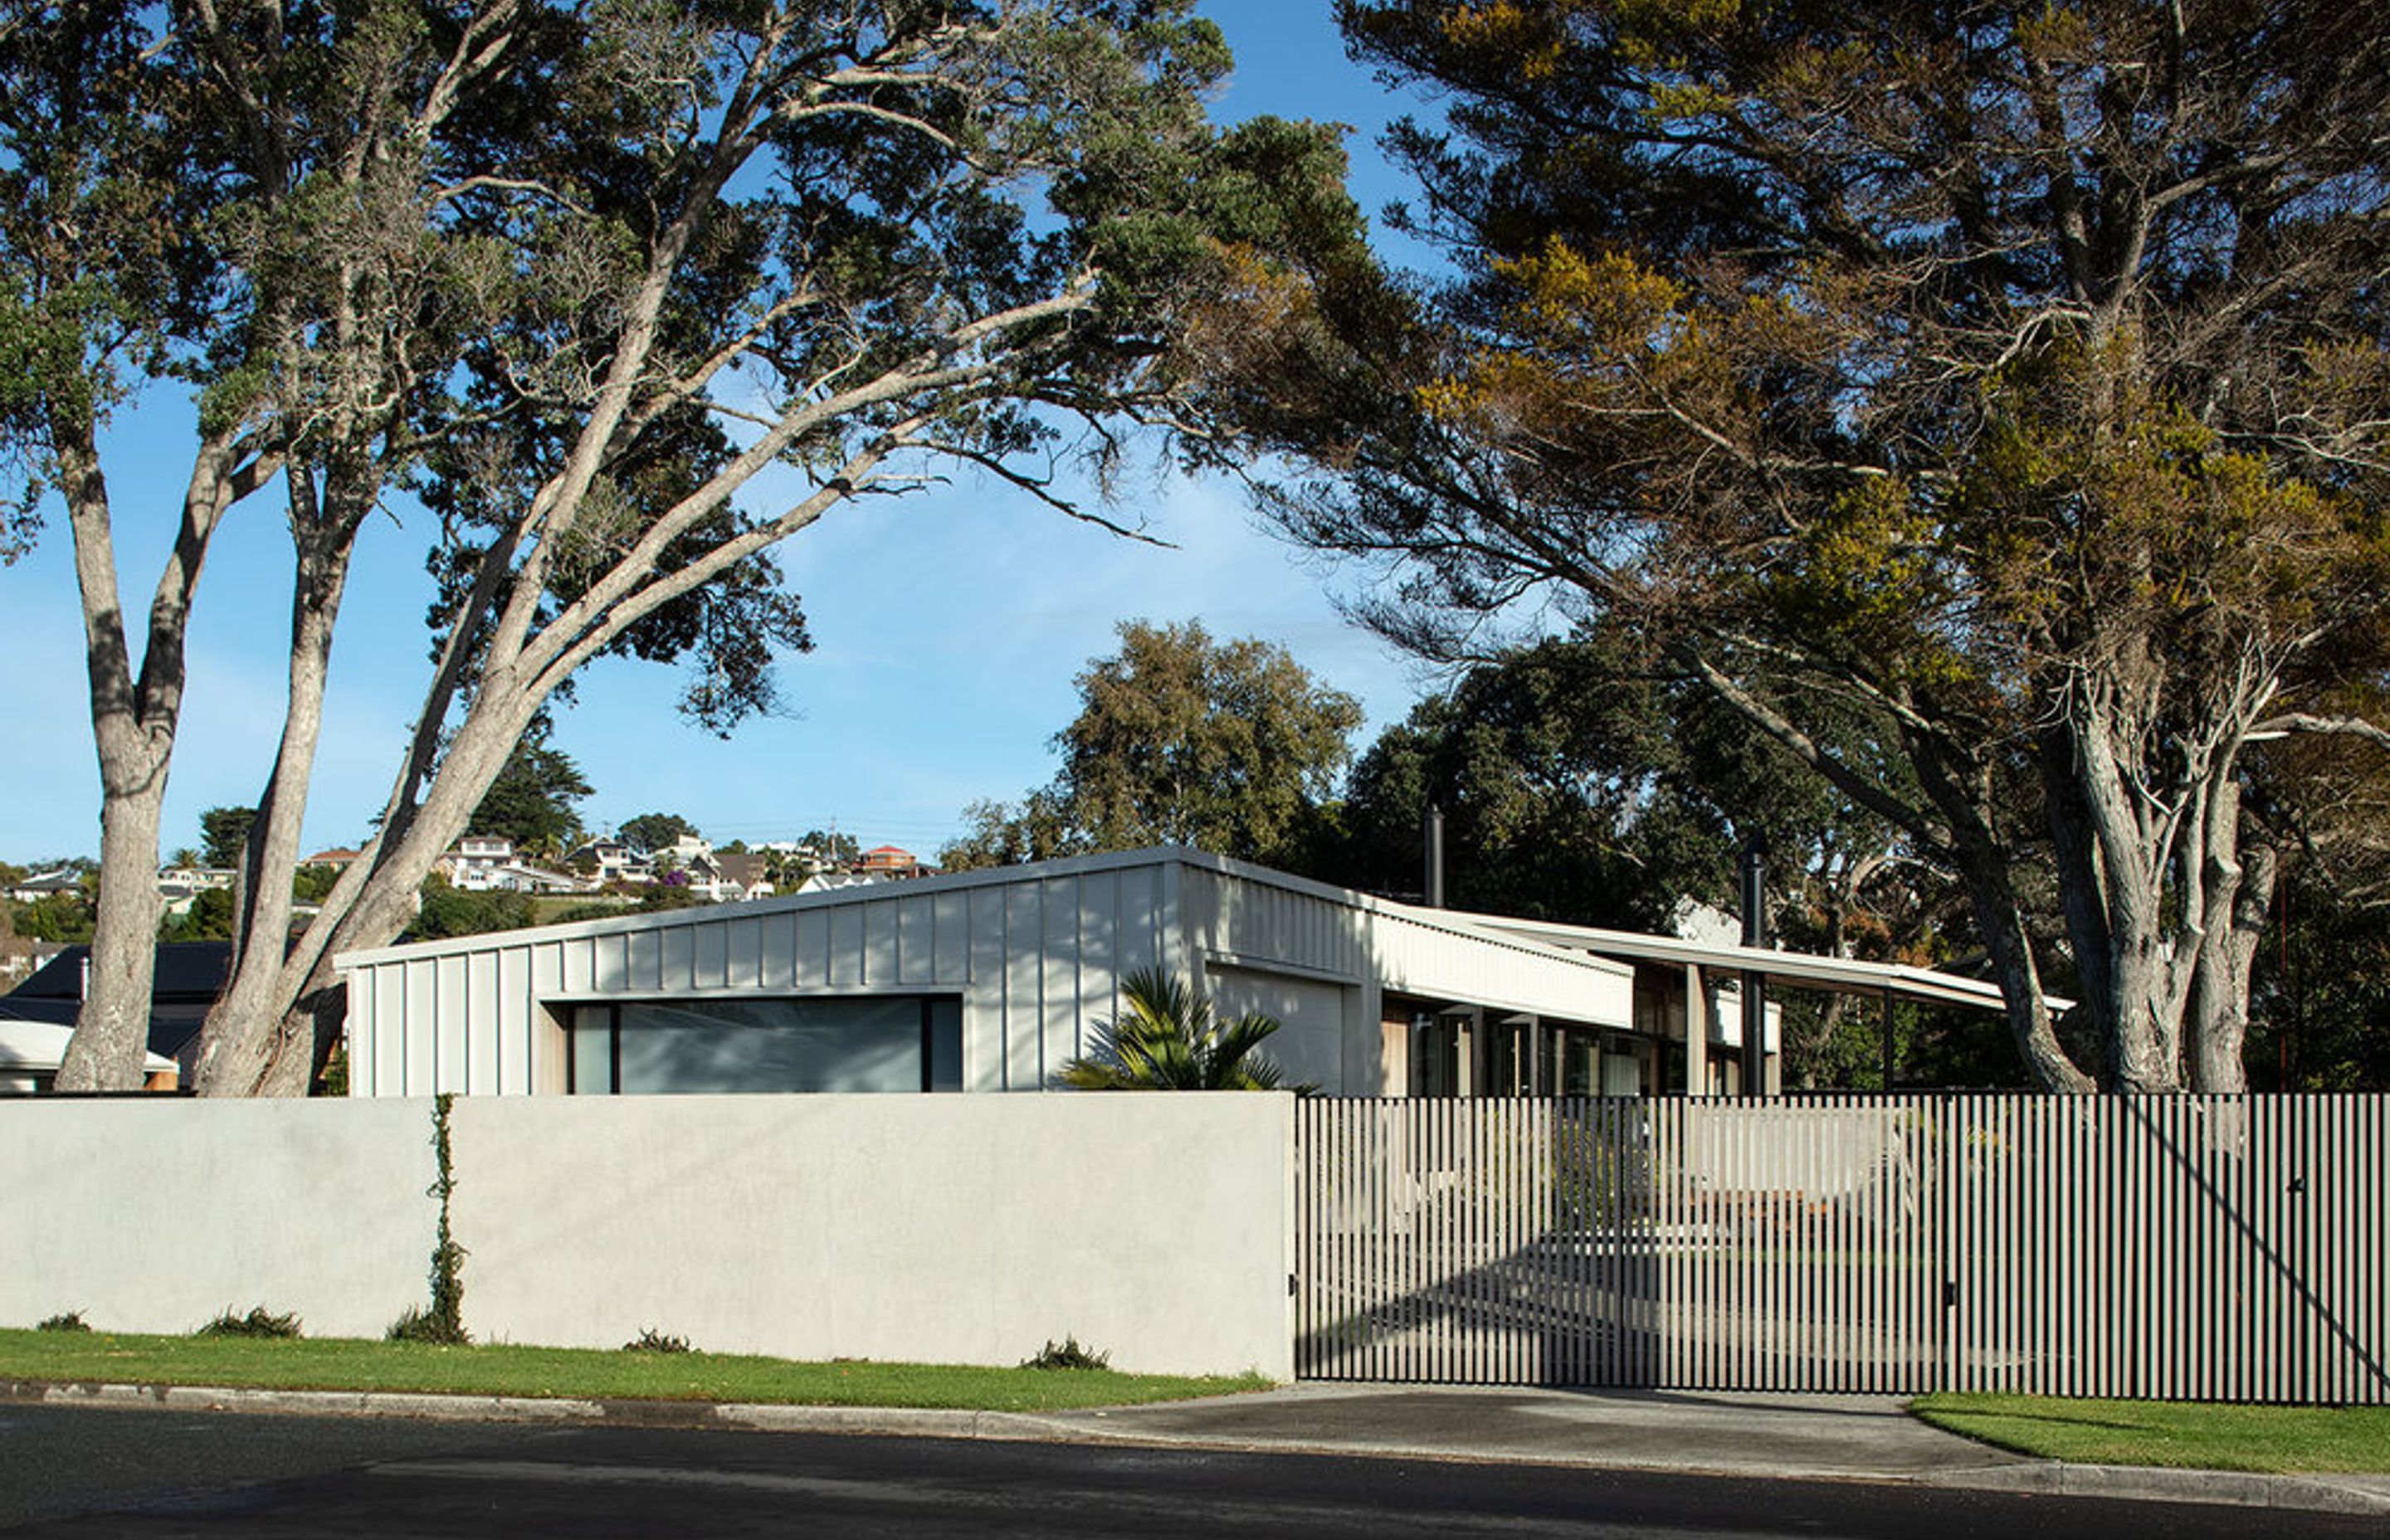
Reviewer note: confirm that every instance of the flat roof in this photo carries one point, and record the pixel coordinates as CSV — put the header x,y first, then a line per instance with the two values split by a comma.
x,y
1797,970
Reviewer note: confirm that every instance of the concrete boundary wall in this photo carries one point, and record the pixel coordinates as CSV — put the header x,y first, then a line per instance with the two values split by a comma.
x,y
947,1229
158,1214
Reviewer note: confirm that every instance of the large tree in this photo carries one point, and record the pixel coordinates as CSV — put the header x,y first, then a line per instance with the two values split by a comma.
x,y
530,801
1228,747
2005,379
649,833
621,295
1576,788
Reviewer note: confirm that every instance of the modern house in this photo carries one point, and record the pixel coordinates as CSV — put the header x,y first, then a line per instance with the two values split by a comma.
x,y
986,981
990,980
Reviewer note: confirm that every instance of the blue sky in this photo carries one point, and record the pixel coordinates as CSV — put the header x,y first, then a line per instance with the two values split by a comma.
x,y
947,626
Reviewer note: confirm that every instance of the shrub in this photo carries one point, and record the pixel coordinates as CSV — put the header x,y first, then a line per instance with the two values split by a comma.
x,y
70,1320
651,1340
258,1322
1069,1355
418,1325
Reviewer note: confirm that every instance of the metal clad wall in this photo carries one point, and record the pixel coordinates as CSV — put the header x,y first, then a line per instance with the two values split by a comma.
x,y
2195,1247
1258,923
986,1062
1058,951
1036,956
1025,981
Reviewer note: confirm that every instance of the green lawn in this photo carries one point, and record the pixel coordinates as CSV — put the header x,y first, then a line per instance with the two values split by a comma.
x,y
337,1364
2199,1436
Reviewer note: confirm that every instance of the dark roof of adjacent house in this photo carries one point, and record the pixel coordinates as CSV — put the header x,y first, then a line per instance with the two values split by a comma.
x,y
739,868
190,975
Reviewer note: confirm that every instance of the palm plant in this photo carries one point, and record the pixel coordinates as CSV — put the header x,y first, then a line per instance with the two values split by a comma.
x,y
1169,1039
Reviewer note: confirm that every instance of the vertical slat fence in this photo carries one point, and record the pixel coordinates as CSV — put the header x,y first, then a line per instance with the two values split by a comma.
x,y
2228,1247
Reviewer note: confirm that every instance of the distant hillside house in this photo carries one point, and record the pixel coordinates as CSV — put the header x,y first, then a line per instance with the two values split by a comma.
x,y
487,862
46,885
739,879
613,861
890,861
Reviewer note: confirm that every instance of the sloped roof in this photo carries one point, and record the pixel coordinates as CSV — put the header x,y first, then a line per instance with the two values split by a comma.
x,y
190,975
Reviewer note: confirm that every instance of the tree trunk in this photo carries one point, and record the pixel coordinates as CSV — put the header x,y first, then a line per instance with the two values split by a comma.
x,y
243,1047
111,1035
133,723
285,1044
2217,1018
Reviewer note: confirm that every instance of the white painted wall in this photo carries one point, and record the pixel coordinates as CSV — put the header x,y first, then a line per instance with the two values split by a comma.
x,y
157,1215
953,1230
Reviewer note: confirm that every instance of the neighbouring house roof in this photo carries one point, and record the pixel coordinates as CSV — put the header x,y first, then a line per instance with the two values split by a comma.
x,y
190,974
821,882
745,870
336,856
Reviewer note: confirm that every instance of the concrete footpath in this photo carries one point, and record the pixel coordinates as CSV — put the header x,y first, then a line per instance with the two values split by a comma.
x,y
1762,1436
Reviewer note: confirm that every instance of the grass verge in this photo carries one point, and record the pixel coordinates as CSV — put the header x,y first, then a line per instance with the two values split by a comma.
x,y
2191,1436
336,1364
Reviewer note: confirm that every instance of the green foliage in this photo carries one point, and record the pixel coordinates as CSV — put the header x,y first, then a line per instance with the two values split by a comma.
x,y
1987,456
449,911
416,1324
314,884
443,1321
222,833
838,849
651,1340
2184,1435
65,917
1169,1039
2321,995
258,1322
1068,1355
66,1320
531,800
1231,748
650,832
600,1374
210,918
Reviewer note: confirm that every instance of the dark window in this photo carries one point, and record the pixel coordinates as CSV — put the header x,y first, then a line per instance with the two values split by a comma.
x,y
853,1043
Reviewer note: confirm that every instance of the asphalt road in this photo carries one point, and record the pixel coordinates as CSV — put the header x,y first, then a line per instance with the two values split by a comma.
x,y
71,1472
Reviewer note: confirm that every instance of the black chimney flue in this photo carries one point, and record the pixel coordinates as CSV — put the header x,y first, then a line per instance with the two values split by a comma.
x,y
1435,833
1755,892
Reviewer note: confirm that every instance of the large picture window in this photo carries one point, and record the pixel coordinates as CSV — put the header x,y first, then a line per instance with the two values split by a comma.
x,y
854,1043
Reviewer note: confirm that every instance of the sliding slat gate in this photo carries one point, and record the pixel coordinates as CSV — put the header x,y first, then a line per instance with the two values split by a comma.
x,y
2193,1246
